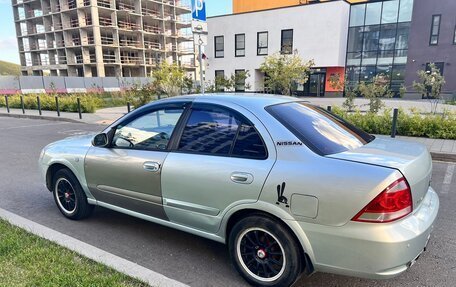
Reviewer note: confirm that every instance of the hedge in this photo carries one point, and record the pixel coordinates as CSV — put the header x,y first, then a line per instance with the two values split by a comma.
x,y
436,126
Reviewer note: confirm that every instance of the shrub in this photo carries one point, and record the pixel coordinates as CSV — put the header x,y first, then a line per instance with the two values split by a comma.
x,y
408,124
67,103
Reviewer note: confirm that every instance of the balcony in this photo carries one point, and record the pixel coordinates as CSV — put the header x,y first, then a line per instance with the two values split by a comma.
x,y
104,3
129,43
129,60
152,29
152,45
130,26
105,21
106,40
109,59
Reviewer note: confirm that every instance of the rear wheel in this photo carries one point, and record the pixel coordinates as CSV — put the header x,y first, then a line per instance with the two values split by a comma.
x,y
264,252
69,196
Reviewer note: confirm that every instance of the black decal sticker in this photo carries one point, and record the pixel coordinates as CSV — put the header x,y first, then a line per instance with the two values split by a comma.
x,y
280,197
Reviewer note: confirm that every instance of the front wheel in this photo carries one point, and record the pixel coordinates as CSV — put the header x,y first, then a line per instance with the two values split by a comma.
x,y
264,252
69,196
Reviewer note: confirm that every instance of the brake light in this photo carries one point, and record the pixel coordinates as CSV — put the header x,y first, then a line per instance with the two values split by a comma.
x,y
393,203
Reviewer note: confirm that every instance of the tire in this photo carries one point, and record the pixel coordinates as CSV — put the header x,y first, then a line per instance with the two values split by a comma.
x,y
264,252
69,196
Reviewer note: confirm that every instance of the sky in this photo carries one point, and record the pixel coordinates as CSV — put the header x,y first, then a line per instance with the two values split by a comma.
x,y
8,42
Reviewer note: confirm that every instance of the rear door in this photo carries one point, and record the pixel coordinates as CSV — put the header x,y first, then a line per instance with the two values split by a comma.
x,y
127,174
221,160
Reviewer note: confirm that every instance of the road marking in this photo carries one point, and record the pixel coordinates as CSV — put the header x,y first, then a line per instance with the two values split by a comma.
x,y
122,265
448,178
33,126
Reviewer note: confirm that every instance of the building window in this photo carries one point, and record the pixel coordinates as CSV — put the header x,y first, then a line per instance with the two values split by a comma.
x,y
219,43
262,43
378,41
240,81
435,30
240,45
287,42
219,77
438,65
454,37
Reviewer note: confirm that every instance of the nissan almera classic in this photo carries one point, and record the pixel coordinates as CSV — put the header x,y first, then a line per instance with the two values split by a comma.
x,y
289,187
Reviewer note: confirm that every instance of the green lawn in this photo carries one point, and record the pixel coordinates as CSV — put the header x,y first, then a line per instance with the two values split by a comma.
x,y
27,260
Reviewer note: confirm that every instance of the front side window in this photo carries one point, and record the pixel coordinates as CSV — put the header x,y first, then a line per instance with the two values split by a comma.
x,y
151,131
220,132
287,42
219,43
262,43
321,131
240,45
435,30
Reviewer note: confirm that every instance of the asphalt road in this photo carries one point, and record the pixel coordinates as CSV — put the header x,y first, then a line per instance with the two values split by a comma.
x,y
178,255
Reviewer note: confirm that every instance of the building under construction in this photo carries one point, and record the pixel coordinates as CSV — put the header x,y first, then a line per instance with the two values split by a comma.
x,y
103,38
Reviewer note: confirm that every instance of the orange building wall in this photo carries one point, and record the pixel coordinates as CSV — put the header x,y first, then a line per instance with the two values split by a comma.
x,y
241,6
334,70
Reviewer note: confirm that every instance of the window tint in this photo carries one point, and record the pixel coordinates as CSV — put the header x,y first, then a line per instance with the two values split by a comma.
x,y
373,13
321,131
390,11
151,131
249,143
287,42
220,132
357,14
262,43
240,45
219,43
209,132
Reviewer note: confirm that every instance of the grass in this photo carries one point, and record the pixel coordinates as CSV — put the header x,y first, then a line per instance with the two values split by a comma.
x,y
28,260
9,69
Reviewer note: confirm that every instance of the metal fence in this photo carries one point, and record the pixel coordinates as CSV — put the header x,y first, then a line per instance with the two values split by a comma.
x,y
10,85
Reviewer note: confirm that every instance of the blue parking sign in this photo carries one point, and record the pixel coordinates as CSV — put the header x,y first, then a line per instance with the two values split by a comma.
x,y
199,10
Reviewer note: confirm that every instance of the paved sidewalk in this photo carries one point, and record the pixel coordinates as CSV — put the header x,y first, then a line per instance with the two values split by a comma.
x,y
443,150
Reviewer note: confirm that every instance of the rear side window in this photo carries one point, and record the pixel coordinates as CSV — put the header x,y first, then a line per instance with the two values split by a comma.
x,y
217,131
321,131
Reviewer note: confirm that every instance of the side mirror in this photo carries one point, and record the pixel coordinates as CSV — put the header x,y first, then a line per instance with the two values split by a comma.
x,y
100,140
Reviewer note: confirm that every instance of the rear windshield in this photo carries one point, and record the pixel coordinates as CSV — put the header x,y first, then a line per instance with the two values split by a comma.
x,y
320,130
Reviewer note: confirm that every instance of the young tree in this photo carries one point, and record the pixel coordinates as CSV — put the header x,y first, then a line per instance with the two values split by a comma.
x,y
284,70
430,84
336,82
169,78
375,91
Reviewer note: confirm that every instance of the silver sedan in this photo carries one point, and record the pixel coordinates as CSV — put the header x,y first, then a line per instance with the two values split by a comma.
x,y
289,187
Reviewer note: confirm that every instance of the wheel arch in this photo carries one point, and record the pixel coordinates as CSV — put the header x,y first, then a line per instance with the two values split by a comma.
x,y
304,245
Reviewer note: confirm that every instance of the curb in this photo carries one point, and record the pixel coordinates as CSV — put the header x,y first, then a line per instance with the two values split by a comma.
x,y
443,157
37,117
98,255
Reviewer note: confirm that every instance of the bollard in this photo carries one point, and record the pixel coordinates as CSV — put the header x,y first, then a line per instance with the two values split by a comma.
x,y
39,104
7,104
329,108
79,108
128,107
22,105
57,106
394,126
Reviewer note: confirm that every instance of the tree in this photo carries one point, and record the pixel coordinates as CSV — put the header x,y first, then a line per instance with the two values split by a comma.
x,y
285,70
169,79
375,91
430,84
336,82
222,83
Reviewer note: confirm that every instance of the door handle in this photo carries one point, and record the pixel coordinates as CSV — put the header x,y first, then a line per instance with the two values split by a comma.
x,y
151,166
242,177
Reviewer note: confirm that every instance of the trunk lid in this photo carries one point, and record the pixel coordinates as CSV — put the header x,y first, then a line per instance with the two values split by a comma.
x,y
412,159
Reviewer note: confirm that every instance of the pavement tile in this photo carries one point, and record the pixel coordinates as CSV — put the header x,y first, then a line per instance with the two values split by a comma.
x,y
447,146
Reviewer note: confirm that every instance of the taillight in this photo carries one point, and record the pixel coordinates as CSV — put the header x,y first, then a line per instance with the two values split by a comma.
x,y
392,204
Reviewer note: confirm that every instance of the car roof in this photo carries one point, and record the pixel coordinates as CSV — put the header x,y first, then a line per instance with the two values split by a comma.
x,y
247,100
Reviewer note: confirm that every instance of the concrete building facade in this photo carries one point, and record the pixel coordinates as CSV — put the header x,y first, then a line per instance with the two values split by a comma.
x,y
240,42
102,38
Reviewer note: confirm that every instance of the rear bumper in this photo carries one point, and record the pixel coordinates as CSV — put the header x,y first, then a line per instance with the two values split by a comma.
x,y
375,251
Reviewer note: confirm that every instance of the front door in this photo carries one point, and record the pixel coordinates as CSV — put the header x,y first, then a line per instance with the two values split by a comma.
x,y
316,85
127,174
220,161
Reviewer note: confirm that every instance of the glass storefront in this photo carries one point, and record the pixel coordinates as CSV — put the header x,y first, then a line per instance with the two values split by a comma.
x,y
378,41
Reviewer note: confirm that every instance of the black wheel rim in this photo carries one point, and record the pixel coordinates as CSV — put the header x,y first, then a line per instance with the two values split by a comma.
x,y
66,196
261,254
